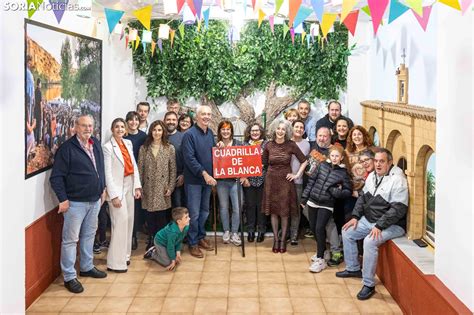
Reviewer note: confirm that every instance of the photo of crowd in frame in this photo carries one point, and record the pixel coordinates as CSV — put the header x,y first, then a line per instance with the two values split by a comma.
x,y
63,80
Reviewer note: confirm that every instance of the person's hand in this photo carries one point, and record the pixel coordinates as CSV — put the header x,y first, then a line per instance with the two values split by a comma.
x,y
116,202
291,177
178,257
171,266
245,182
63,206
180,181
375,234
352,222
209,180
103,197
220,145
355,194
167,192
138,193
302,205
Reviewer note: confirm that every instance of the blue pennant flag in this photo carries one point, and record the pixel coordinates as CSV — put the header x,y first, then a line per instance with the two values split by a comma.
x,y
318,7
396,9
113,17
302,15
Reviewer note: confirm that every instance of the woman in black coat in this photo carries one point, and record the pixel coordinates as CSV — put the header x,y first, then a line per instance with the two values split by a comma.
x,y
328,182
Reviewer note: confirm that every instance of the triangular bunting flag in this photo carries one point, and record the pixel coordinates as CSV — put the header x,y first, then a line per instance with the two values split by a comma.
x,y
245,7
126,41
153,45
132,34
347,6
191,6
308,39
180,5
253,4
314,30
261,16
33,5
137,41
172,33
302,15
327,22
181,30
59,6
271,20
416,5
465,4
160,45
294,7
396,9
144,46
199,25
146,36
318,7
366,10
292,33
303,36
351,21
451,3
285,29
377,10
112,17
206,17
144,16
278,4
423,20
198,7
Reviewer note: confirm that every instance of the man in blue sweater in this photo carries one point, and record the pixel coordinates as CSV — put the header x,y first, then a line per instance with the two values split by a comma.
x,y
78,179
197,153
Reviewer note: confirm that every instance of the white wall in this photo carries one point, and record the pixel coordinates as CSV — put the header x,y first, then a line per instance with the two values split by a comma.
x,y
440,62
23,201
454,254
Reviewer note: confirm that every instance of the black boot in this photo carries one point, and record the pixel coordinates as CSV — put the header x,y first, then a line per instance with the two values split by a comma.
x,y
251,237
260,237
134,243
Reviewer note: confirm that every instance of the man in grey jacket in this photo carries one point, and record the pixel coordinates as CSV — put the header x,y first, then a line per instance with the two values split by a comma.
x,y
378,216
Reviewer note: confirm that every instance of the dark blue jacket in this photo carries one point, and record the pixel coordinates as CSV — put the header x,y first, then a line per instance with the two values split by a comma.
x,y
74,177
197,154
176,140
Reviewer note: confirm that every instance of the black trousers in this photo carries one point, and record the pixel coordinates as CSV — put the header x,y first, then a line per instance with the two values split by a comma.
x,y
156,220
318,219
139,217
253,209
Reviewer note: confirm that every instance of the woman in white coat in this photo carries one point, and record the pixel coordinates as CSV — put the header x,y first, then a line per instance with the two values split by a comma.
x,y
122,184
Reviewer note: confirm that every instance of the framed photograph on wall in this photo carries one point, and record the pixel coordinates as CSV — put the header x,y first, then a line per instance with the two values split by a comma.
x,y
63,79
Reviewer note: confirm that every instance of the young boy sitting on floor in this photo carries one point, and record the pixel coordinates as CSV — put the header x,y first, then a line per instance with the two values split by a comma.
x,y
167,249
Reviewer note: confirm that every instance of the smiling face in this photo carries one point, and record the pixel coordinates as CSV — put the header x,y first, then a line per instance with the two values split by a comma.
x,y
255,133
323,137
367,163
342,128
171,122
298,130
143,111
334,110
280,132
133,123
84,128
357,137
185,124
303,110
335,157
203,116
226,133
118,130
157,133
292,117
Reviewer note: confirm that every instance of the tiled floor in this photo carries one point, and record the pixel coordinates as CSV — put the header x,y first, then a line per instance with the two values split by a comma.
x,y
260,283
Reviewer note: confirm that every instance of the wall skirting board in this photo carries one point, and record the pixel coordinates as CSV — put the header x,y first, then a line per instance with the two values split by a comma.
x,y
415,292
42,254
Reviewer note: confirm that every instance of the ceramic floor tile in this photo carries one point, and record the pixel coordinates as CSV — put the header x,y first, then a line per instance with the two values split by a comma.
x,y
328,276
158,277
114,304
123,290
49,304
111,277
215,277
275,305
57,290
213,290
243,305
191,265
244,277
303,290
178,305
333,291
95,289
308,305
300,278
393,305
186,277
271,277
237,266
295,266
182,290
270,266
273,290
210,305
240,290
152,290
374,305
130,277
139,265
216,265
146,305
338,305
79,304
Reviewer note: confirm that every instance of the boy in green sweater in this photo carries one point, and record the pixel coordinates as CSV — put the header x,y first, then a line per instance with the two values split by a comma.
x,y
167,249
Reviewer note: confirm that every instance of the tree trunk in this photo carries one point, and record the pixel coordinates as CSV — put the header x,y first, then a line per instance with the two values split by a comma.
x,y
216,117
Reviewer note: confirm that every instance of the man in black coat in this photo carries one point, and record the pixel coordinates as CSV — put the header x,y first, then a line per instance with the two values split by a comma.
x,y
334,112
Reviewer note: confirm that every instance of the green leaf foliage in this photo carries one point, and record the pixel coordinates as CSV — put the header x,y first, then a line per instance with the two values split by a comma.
x,y
205,63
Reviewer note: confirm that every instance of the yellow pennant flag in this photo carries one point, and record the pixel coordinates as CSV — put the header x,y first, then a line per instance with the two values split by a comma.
x,y
144,16
347,6
416,5
199,25
327,22
153,45
451,3
261,16
137,41
303,35
172,32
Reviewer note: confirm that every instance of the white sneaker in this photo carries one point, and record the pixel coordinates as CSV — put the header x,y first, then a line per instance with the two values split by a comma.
x,y
318,266
314,257
235,239
226,237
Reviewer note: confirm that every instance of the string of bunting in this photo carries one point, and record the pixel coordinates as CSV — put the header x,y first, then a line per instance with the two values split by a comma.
x,y
297,12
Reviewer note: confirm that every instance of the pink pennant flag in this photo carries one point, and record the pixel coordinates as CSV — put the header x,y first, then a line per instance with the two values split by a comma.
x,y
292,32
126,41
465,4
423,20
271,20
160,45
377,9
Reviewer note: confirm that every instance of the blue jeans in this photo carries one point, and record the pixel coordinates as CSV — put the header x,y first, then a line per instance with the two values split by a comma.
x,y
226,189
80,224
371,248
197,199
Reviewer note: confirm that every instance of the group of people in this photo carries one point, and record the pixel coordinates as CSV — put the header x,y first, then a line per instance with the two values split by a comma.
x,y
326,171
